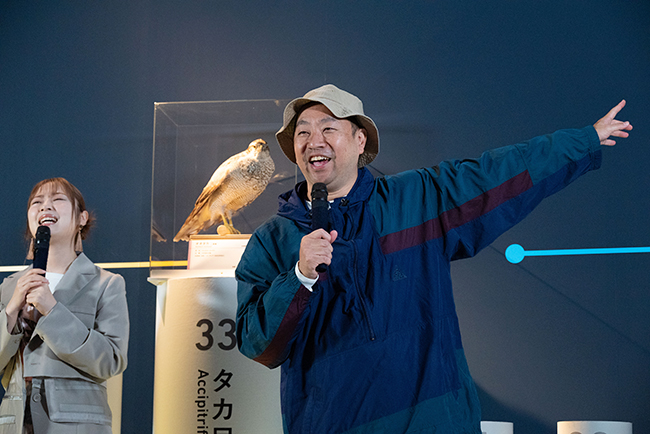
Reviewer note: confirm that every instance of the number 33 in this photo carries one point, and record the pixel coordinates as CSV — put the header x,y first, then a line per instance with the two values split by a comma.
x,y
229,333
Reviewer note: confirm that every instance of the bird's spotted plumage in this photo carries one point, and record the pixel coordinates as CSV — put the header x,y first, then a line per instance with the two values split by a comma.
x,y
235,184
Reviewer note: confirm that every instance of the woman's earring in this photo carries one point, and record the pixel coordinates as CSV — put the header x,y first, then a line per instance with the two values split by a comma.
x,y
78,247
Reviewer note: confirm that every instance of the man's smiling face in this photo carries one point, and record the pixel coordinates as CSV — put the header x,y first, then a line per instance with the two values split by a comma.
x,y
327,149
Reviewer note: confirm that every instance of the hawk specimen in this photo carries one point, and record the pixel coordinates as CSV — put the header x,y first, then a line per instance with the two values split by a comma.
x,y
235,184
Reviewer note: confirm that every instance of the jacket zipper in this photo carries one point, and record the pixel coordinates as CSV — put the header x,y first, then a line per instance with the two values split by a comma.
x,y
362,299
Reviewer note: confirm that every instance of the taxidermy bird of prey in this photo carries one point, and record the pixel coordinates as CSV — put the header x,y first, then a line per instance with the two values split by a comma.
x,y
235,184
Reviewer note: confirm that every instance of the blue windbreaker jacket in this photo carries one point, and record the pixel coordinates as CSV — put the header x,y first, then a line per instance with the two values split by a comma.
x,y
376,347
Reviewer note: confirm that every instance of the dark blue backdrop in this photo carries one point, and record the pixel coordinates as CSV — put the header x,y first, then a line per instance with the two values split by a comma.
x,y
549,339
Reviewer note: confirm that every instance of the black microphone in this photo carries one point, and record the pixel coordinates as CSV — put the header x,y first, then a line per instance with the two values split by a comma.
x,y
41,247
320,218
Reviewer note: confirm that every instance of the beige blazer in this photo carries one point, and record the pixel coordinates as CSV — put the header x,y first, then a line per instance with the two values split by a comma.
x,y
74,349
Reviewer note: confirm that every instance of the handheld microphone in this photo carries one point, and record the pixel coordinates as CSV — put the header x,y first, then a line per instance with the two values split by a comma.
x,y
41,247
320,218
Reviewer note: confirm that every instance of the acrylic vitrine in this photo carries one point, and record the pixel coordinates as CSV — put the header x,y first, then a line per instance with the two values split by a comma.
x,y
191,140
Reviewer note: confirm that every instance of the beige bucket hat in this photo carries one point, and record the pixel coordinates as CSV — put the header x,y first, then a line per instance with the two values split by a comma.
x,y
342,105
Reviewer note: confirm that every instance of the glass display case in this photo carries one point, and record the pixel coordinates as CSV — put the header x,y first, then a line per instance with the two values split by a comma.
x,y
191,140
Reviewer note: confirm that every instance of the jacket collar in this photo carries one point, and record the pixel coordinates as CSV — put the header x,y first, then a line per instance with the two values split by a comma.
x,y
80,273
293,205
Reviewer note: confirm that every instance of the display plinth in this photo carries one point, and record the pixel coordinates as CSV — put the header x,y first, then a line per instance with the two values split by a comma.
x,y
594,427
114,395
493,427
202,383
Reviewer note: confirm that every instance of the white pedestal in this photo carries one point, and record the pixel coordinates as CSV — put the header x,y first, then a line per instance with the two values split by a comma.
x,y
490,427
593,427
114,393
202,383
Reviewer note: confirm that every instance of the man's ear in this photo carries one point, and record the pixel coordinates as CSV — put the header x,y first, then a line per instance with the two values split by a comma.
x,y
361,136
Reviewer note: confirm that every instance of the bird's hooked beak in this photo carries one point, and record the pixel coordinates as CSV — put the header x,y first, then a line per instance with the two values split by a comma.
x,y
259,144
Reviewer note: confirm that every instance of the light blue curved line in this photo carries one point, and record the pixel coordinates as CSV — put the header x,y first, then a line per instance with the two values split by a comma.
x,y
595,251
515,253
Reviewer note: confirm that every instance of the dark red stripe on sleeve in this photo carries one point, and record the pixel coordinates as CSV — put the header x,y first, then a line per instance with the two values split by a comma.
x,y
275,353
456,217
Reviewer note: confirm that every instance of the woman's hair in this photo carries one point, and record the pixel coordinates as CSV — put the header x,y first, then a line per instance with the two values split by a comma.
x,y
75,197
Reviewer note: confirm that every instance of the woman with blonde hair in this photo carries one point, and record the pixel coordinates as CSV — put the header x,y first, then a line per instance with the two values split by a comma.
x,y
64,330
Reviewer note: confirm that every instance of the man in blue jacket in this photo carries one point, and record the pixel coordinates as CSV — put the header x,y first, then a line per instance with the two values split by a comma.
x,y
372,345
